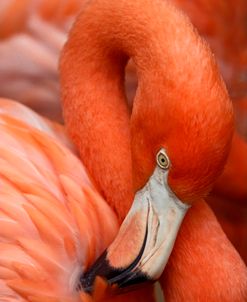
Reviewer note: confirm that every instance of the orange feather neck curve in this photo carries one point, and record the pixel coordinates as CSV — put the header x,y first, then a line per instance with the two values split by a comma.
x,y
178,83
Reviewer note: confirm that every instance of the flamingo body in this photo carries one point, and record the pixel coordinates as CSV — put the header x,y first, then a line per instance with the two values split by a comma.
x,y
53,223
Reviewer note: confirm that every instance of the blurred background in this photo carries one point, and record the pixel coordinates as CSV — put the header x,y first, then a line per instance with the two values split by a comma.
x,y
32,33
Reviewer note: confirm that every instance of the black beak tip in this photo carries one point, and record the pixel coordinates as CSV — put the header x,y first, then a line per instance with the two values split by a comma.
x,y
121,277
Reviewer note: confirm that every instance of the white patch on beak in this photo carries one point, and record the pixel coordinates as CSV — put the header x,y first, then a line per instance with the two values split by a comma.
x,y
165,213
157,215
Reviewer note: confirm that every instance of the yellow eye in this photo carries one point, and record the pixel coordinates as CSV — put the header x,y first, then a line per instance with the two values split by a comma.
x,y
162,159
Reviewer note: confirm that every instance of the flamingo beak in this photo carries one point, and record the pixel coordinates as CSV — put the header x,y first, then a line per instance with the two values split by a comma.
x,y
145,240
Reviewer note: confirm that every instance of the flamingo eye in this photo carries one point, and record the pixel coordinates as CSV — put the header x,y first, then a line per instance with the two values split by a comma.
x,y
162,159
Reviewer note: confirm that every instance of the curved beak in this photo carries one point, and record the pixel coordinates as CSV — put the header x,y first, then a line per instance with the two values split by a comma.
x,y
145,240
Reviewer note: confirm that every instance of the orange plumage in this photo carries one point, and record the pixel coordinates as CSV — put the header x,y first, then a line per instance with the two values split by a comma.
x,y
167,112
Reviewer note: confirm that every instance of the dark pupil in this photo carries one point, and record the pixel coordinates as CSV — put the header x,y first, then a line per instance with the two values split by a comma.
x,y
163,160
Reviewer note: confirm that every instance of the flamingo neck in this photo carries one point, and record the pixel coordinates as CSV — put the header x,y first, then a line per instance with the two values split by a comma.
x,y
170,61
95,106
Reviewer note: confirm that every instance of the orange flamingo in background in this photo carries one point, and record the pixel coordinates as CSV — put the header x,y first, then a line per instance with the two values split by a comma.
x,y
31,39
168,139
15,14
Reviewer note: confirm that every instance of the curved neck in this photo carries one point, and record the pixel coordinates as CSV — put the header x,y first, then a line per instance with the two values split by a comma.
x,y
104,36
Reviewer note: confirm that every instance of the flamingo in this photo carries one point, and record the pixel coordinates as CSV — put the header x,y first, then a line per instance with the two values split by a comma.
x,y
15,13
92,66
39,35
29,51
48,247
